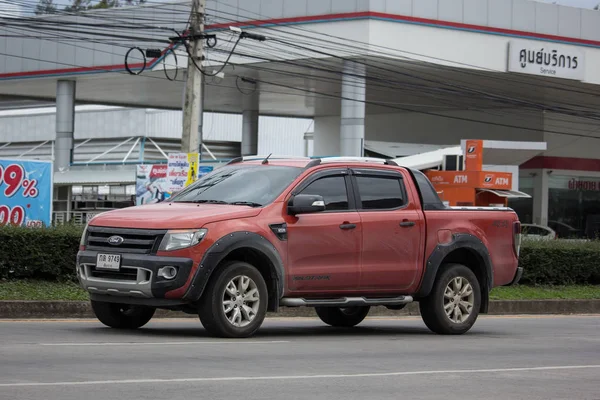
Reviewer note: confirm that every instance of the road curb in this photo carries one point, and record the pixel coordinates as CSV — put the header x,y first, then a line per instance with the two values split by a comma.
x,y
16,309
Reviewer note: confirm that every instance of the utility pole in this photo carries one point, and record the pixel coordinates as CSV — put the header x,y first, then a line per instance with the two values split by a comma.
x,y
192,104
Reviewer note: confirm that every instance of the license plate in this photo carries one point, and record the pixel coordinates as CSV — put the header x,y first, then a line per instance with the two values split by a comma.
x,y
111,262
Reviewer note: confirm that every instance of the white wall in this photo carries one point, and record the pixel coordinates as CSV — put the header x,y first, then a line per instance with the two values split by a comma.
x,y
283,135
575,146
426,129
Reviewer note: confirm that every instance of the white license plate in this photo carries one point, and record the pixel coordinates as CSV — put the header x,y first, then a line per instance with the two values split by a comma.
x,y
111,262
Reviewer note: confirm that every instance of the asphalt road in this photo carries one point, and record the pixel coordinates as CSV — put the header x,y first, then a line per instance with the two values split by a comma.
x,y
501,358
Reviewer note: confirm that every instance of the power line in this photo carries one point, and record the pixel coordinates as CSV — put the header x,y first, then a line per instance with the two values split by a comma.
x,y
384,51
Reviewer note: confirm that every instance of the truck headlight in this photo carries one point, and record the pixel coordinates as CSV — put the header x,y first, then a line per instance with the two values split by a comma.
x,y
181,239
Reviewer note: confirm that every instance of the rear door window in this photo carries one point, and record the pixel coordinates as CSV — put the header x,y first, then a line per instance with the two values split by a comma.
x,y
381,192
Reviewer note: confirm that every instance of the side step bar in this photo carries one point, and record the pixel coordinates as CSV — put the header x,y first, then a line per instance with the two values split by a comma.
x,y
345,302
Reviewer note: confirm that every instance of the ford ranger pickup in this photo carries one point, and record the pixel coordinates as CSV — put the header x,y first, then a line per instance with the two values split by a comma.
x,y
337,234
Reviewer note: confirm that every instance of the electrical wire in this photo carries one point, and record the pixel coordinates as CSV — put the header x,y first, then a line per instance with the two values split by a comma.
x,y
461,90
362,46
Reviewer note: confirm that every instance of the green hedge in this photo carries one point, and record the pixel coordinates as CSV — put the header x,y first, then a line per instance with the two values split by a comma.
x,y
40,253
49,254
560,262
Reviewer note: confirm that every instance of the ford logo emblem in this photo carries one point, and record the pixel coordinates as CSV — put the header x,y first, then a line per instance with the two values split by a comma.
x,y
115,240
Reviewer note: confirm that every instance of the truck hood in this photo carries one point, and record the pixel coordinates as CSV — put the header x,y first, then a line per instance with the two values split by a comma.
x,y
172,215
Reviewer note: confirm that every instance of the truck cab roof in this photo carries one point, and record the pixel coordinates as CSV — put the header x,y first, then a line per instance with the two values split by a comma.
x,y
427,194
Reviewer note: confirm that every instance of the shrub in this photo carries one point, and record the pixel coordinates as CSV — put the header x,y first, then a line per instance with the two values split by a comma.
x,y
50,254
560,262
40,253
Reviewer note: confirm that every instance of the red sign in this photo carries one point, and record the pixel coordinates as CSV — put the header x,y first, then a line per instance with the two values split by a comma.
x,y
474,155
575,184
158,171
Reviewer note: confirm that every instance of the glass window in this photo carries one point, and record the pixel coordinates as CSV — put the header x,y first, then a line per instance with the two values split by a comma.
x,y
333,190
250,184
130,190
534,230
574,206
380,193
524,206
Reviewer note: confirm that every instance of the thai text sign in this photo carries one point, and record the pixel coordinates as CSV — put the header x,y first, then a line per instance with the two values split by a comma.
x,y
25,193
182,170
589,185
546,60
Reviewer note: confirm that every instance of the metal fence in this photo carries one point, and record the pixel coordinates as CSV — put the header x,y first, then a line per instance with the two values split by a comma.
x,y
73,217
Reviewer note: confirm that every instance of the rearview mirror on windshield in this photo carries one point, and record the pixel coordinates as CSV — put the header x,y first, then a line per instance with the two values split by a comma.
x,y
306,204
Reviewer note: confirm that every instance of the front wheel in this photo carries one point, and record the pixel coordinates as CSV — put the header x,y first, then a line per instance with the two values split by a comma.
x,y
122,316
344,317
453,305
234,304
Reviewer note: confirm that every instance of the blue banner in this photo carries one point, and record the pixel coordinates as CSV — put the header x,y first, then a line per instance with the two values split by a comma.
x,y
25,193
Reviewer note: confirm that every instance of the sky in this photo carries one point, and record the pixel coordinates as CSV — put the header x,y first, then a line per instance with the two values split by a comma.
x,y
574,3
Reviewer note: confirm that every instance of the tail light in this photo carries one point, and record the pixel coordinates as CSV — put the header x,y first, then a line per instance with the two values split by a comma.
x,y
517,237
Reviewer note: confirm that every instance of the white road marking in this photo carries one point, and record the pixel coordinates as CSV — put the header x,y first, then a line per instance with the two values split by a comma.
x,y
298,377
399,318
214,342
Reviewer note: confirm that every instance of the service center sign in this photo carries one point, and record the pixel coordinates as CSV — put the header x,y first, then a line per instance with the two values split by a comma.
x,y
25,193
545,60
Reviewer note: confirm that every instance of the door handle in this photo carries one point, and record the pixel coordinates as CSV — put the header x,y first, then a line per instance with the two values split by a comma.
x,y
407,224
347,226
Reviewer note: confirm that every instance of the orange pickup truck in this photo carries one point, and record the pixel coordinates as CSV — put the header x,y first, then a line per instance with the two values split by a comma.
x,y
337,234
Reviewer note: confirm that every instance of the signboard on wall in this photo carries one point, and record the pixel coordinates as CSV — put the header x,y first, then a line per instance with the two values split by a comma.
x,y
25,193
151,184
545,59
156,183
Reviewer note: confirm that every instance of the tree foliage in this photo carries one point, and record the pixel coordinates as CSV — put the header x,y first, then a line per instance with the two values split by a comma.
x,y
75,6
45,7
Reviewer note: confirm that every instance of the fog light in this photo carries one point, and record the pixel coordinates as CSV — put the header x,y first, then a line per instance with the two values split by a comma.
x,y
167,272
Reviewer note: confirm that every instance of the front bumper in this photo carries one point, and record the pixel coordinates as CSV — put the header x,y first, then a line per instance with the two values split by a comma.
x,y
137,277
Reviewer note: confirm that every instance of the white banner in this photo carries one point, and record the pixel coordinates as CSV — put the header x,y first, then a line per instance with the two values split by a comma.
x,y
546,59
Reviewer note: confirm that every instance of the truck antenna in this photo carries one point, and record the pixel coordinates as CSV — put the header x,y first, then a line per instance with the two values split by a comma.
x,y
266,160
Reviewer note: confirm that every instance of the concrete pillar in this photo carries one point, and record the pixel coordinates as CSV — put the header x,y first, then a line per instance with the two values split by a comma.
x,y
250,117
326,136
65,124
250,132
352,124
540,198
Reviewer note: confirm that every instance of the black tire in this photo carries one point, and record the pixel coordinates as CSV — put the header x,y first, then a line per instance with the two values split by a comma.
x,y
432,307
122,316
342,317
211,308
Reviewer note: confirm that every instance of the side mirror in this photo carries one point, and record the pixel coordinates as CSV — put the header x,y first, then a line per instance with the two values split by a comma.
x,y
306,204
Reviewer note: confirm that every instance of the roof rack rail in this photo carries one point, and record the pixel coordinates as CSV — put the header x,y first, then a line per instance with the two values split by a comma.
x,y
235,160
313,163
266,156
358,159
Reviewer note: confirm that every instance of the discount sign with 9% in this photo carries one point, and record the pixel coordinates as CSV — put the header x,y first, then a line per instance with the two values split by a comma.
x,y
13,179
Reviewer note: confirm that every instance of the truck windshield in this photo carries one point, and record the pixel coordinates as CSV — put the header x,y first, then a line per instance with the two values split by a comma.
x,y
251,185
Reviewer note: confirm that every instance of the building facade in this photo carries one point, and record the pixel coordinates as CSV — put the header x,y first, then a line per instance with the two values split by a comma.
x,y
110,141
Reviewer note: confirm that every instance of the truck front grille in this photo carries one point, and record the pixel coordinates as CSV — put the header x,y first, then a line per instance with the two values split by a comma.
x,y
124,274
138,241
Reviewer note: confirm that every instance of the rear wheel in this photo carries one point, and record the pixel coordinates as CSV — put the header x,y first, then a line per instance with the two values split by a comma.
x,y
122,316
345,317
234,304
453,305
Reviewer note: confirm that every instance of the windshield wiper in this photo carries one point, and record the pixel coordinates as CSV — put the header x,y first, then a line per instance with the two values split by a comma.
x,y
246,203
